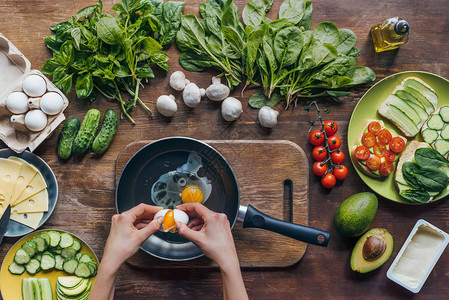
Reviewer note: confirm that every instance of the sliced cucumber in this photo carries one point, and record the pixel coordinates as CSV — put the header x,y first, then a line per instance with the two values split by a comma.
x,y
407,96
428,106
93,268
419,110
33,266
55,237
41,244
445,132
46,237
66,240
69,282
48,262
46,290
444,113
402,120
37,289
70,265
442,146
38,256
21,257
435,122
78,255
30,248
16,269
76,244
429,135
404,107
68,252
85,258
424,90
28,290
82,270
59,261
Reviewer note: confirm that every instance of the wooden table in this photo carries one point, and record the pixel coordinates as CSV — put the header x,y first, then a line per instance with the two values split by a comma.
x,y
86,198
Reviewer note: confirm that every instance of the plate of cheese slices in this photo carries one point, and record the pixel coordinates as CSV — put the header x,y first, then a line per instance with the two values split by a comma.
x,y
29,185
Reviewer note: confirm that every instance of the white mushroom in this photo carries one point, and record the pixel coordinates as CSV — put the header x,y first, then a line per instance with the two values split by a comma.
x,y
166,105
192,95
178,80
217,91
268,117
231,109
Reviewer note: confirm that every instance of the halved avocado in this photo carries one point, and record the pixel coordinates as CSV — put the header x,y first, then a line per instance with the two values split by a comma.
x,y
372,250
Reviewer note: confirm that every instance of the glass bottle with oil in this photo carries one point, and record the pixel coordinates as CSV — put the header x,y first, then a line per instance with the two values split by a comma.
x,y
390,34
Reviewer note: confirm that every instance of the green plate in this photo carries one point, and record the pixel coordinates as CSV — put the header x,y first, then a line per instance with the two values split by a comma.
x,y
367,109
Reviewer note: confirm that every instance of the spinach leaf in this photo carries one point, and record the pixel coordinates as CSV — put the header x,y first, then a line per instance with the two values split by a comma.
x,y
326,33
354,52
432,179
259,100
293,10
109,31
362,75
255,11
287,45
409,171
306,21
170,21
429,157
417,196
346,41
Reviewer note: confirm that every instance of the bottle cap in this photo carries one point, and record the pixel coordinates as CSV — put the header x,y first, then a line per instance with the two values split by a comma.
x,y
401,27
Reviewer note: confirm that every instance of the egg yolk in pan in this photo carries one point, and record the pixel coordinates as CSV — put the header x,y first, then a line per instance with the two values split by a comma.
x,y
169,223
192,194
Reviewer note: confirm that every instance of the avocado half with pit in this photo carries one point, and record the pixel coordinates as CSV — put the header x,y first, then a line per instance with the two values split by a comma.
x,y
372,250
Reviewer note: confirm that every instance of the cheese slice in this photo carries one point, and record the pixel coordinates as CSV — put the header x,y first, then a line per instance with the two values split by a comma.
x,y
9,171
36,203
26,175
29,219
35,186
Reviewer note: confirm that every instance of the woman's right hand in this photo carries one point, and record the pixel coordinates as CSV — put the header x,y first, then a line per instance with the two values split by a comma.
x,y
210,231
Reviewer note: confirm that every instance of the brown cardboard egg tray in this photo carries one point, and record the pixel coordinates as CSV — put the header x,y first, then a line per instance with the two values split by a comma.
x,y
14,68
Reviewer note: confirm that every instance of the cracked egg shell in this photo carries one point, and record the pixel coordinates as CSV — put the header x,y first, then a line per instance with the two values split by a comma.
x,y
171,216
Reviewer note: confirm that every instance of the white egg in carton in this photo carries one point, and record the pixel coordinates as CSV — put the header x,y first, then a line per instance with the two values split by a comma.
x,y
31,106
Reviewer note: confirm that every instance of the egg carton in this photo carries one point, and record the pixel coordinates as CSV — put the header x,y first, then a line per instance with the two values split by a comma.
x,y
14,68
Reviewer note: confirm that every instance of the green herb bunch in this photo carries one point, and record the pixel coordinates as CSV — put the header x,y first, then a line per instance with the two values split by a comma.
x,y
112,54
284,57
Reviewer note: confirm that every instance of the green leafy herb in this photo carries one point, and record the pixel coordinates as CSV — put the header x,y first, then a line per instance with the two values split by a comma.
x,y
259,100
417,196
426,178
112,54
430,158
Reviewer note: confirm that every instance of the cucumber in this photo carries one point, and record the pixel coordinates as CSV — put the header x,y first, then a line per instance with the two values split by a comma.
x,y
445,132
69,265
48,262
82,270
435,122
66,137
21,257
58,262
33,266
28,289
68,252
46,237
85,136
46,290
424,90
404,107
107,132
30,248
429,135
66,240
55,237
93,268
41,244
444,113
16,269
78,255
408,97
442,146
37,289
76,244
85,258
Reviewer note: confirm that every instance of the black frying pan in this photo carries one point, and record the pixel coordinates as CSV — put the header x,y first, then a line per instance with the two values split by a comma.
x,y
159,157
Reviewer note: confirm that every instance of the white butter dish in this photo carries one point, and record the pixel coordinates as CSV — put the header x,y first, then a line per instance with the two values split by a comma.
x,y
418,256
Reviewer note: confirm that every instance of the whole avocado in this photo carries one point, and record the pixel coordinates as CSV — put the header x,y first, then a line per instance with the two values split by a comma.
x,y
355,214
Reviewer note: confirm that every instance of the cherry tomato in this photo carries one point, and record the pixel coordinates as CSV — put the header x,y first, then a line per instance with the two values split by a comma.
x,y
386,168
337,157
340,172
330,127
369,140
397,144
379,149
328,181
319,153
390,156
374,127
384,136
316,137
362,152
319,168
373,162
334,142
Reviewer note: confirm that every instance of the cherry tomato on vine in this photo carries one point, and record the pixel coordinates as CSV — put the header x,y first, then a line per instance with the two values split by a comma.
x,y
328,181
390,156
369,140
319,153
386,168
384,136
334,142
362,152
374,127
340,172
397,144
330,127
316,137
319,168
373,162
337,157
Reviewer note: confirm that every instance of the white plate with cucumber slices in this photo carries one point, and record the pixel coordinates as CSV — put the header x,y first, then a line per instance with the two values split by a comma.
x,y
46,254
367,109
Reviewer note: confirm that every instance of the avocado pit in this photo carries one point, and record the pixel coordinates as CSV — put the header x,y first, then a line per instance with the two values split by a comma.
x,y
373,248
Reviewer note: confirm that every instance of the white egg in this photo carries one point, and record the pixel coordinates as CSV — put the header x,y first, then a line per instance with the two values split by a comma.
x,y
35,120
170,224
51,103
17,103
34,86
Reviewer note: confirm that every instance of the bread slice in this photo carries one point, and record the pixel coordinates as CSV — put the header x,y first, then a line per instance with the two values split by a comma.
x,y
363,168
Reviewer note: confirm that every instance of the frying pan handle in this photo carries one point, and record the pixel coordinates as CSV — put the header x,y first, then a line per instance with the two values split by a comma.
x,y
256,219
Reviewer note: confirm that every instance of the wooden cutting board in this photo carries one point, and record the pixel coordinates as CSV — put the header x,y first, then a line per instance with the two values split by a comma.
x,y
272,177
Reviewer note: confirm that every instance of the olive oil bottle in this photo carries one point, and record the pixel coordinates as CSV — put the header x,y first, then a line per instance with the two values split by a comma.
x,y
390,34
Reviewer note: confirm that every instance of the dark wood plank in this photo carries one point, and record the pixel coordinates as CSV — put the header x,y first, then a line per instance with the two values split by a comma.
x,y
86,201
